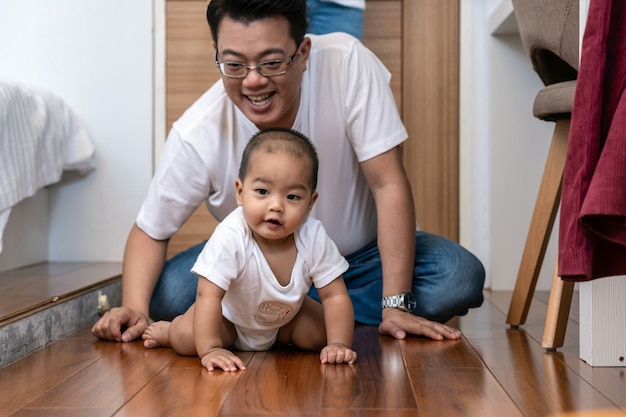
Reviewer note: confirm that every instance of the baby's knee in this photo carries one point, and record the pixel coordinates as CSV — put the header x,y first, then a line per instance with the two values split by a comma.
x,y
303,334
317,339
181,337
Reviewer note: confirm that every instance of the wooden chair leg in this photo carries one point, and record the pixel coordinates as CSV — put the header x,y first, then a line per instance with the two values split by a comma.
x,y
546,207
558,312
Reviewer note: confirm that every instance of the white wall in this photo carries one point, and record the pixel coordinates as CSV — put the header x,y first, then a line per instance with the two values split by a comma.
x,y
26,234
98,57
503,147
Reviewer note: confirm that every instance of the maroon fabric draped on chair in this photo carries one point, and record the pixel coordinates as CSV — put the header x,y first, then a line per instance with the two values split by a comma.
x,y
592,235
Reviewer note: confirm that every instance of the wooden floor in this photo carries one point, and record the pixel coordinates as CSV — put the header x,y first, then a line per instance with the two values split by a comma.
x,y
491,371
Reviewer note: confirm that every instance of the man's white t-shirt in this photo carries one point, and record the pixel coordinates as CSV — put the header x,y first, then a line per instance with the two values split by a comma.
x,y
255,302
346,108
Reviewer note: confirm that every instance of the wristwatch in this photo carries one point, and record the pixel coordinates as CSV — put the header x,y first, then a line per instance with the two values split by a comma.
x,y
404,301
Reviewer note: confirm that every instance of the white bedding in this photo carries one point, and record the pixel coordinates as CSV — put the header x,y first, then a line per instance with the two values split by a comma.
x,y
40,137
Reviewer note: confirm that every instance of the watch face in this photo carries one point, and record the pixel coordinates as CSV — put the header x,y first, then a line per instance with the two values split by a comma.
x,y
409,301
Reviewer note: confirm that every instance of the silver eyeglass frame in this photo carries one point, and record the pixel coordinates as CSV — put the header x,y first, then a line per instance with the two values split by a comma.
x,y
257,67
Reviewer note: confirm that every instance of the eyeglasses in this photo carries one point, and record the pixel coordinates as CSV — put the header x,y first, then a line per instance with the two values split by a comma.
x,y
270,68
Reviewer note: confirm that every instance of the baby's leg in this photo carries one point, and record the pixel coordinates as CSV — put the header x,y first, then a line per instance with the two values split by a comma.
x,y
177,334
307,329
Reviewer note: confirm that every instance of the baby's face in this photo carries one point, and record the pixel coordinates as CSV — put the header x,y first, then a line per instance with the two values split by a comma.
x,y
276,194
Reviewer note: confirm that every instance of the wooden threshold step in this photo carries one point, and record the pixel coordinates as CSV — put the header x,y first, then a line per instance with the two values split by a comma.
x,y
44,302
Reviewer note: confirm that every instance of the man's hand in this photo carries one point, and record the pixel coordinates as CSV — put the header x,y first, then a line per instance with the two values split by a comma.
x,y
120,324
398,324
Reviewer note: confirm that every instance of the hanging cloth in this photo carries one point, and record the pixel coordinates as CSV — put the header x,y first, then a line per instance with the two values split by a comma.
x,y
592,233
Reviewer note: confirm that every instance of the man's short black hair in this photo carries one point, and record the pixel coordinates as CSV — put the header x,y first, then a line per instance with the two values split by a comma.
x,y
247,11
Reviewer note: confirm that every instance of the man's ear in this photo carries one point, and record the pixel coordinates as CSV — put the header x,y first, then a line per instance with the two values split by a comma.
x,y
305,51
239,191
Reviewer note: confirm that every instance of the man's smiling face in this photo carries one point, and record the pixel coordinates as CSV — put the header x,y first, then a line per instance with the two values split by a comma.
x,y
266,101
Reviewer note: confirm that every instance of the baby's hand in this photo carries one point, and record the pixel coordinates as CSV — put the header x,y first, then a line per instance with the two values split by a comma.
x,y
223,359
337,353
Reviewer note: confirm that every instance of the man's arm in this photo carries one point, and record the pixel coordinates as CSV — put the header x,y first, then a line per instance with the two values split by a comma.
x,y
390,187
144,258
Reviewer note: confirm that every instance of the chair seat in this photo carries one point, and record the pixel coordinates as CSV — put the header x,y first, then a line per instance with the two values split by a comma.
x,y
555,101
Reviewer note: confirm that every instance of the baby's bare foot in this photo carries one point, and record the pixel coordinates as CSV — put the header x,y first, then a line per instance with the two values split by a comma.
x,y
157,335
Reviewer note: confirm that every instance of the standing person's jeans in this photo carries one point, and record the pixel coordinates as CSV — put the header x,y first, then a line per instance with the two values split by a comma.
x,y
327,17
448,281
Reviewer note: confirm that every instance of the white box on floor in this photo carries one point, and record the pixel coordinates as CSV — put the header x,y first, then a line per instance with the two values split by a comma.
x,y
603,321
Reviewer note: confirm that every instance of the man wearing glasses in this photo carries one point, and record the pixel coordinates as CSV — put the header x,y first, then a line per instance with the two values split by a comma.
x,y
336,92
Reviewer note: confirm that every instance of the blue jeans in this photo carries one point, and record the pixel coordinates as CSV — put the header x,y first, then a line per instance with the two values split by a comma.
x,y
448,281
327,17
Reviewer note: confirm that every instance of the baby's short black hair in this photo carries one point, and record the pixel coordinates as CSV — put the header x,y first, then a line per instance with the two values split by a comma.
x,y
284,140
